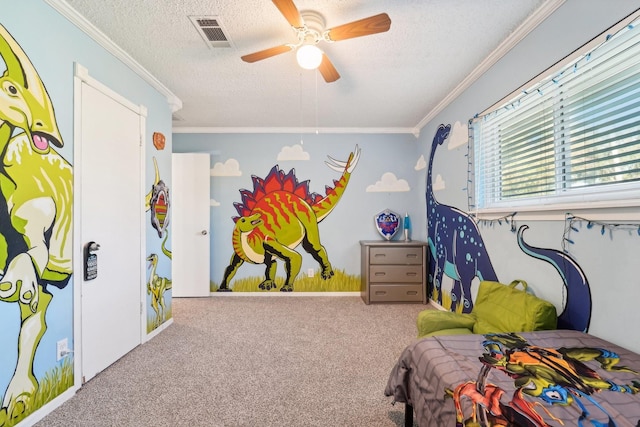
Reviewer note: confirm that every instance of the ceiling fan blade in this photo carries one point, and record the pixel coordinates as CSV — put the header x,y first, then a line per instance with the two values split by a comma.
x,y
328,71
267,53
363,27
289,10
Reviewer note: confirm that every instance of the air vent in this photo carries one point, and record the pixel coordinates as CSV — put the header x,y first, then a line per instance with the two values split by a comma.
x,y
211,30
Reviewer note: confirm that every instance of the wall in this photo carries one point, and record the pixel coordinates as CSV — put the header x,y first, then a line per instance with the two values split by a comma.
x,y
53,45
606,260
349,222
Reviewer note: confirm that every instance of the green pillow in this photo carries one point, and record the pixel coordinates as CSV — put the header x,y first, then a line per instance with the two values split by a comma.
x,y
503,308
430,321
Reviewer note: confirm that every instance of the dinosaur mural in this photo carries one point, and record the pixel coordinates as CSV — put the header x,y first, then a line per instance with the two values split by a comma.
x,y
157,202
36,186
277,216
456,246
577,308
457,250
156,287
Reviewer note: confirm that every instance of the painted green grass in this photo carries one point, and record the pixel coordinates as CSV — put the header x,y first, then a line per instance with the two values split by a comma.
x,y
447,302
54,383
340,282
153,320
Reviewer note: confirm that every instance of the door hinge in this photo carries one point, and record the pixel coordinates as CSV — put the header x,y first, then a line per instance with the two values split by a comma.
x,y
141,308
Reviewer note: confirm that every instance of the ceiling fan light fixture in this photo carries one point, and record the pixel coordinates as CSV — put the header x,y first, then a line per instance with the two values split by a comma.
x,y
309,56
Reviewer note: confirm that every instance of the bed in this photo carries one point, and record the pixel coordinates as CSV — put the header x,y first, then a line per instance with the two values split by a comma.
x,y
545,378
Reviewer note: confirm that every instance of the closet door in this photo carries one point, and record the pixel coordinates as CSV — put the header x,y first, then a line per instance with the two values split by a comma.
x,y
190,224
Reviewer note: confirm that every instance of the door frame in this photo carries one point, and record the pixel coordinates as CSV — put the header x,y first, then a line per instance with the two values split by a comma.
x,y
81,75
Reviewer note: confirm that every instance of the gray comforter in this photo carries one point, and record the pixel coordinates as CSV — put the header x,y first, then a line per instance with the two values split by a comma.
x,y
546,378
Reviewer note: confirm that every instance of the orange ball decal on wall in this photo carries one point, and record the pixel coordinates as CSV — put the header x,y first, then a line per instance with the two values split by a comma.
x,y
158,140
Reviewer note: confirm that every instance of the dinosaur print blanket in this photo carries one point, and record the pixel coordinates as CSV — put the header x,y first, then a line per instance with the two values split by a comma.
x,y
546,378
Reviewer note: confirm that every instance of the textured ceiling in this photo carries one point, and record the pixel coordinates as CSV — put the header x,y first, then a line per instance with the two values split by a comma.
x,y
391,80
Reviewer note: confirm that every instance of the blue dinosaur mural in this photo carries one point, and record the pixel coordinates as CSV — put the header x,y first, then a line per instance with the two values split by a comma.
x,y
577,309
457,250
455,244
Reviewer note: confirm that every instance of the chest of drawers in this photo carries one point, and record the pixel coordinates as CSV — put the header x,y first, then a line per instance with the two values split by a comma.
x,y
393,271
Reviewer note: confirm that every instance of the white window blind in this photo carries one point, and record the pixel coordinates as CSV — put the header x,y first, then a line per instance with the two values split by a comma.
x,y
573,136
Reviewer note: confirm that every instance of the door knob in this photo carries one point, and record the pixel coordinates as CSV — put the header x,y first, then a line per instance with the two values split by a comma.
x,y
204,232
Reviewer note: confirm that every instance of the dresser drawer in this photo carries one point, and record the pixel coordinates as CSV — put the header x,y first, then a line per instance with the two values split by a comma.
x,y
396,255
396,293
396,273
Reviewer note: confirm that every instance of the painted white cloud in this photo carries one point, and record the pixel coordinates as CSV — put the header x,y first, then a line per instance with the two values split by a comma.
x,y
229,168
295,152
388,183
421,164
214,202
459,136
438,184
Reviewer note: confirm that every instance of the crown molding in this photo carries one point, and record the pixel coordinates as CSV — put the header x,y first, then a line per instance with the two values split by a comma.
x,y
81,22
535,19
546,9
306,130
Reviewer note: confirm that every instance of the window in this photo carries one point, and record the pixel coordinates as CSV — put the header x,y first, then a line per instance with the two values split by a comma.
x,y
572,137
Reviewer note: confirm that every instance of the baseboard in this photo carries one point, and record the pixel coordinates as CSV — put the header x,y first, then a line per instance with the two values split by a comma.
x,y
48,408
159,329
436,305
285,294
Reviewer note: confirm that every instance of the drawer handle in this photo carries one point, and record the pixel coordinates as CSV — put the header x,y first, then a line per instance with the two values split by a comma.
x,y
381,292
379,273
411,273
412,255
412,293
380,255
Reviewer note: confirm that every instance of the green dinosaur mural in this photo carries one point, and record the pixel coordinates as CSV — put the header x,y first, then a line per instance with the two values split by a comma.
x,y
277,216
36,185
157,202
156,287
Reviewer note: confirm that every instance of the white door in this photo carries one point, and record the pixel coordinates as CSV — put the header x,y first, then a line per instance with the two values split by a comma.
x,y
111,199
190,206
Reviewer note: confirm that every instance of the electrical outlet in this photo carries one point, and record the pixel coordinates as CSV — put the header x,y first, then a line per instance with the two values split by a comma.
x,y
310,272
62,349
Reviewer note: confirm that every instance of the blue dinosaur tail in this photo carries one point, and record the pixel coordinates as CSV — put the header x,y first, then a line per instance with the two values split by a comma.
x,y
577,310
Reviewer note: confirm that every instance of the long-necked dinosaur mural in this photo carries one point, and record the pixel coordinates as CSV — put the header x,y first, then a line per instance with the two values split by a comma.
x,y
280,214
156,287
577,308
456,246
35,211
458,251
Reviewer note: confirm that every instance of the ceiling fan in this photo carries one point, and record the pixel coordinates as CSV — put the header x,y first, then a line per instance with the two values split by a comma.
x,y
309,28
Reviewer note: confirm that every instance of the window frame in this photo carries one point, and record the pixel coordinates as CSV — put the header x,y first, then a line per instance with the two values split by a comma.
x,y
600,197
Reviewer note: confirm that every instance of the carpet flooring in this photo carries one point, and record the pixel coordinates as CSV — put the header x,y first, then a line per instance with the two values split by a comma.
x,y
254,361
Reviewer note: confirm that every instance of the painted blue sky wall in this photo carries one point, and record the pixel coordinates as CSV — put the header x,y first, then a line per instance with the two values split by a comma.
x,y
384,178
